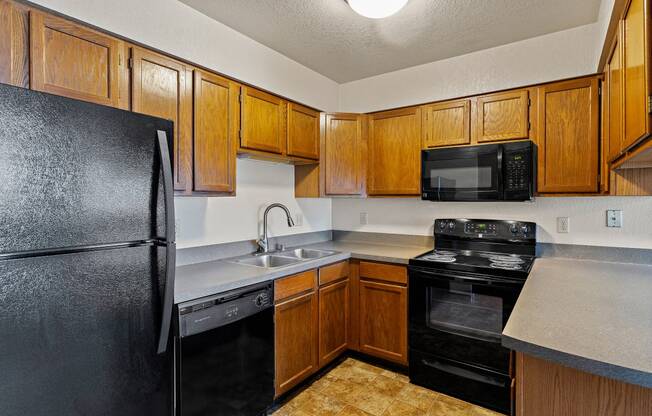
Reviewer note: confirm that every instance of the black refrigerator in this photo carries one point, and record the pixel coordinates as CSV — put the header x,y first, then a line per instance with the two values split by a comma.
x,y
87,259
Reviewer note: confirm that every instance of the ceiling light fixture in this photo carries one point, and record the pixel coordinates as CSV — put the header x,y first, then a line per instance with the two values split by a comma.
x,y
376,9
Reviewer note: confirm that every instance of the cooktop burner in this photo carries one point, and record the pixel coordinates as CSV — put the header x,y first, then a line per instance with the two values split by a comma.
x,y
475,261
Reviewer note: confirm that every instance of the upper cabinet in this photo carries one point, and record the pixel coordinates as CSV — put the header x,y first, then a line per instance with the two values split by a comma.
x,y
216,123
613,99
263,121
303,132
568,151
635,73
447,124
14,44
74,61
502,116
162,87
394,163
344,155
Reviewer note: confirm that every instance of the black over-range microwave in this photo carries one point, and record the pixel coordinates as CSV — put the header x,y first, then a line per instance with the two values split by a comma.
x,y
488,172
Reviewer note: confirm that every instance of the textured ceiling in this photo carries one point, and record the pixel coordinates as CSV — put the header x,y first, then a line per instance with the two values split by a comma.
x,y
330,38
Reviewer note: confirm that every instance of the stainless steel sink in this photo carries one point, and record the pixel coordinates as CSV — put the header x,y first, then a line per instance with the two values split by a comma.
x,y
307,253
268,261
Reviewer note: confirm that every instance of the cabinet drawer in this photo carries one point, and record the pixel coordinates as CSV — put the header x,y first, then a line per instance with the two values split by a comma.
x,y
294,285
333,272
381,271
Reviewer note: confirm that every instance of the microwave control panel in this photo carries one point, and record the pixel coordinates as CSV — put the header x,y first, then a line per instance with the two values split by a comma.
x,y
517,171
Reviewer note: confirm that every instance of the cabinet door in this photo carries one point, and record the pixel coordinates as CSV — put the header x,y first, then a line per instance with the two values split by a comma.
x,y
262,121
295,346
394,152
343,159
71,60
635,67
569,142
14,44
503,116
613,109
383,320
333,320
447,124
162,87
303,132
216,125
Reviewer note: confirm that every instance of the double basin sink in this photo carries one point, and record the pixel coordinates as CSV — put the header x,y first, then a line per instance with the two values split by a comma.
x,y
283,258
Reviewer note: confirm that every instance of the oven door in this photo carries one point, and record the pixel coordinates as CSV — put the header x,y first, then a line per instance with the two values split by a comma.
x,y
461,317
462,174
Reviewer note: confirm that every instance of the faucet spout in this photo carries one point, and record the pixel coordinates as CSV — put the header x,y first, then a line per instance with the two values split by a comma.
x,y
263,244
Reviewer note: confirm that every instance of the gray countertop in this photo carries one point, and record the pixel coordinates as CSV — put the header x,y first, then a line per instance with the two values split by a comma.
x,y
591,315
194,281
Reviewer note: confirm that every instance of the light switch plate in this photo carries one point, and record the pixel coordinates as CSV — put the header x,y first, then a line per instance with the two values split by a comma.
x,y
364,218
614,218
563,224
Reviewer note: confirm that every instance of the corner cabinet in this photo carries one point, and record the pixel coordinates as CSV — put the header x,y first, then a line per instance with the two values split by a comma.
x,y
263,121
569,142
394,164
78,62
162,87
216,122
344,155
303,132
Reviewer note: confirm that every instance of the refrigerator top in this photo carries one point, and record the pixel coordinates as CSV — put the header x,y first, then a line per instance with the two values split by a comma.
x,y
77,174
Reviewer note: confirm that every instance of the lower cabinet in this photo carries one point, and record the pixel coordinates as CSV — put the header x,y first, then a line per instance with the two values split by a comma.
x,y
295,318
334,296
383,311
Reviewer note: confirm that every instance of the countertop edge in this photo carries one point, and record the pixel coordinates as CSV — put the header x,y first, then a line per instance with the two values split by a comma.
x,y
601,368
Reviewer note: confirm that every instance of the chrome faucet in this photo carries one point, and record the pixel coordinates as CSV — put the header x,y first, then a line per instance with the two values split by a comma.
x,y
263,244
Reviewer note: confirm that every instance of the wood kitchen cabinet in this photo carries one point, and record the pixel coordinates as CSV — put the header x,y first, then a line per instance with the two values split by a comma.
x,y
262,121
296,329
544,388
78,62
344,155
162,87
334,314
568,143
14,44
303,132
383,311
394,146
502,116
216,124
447,124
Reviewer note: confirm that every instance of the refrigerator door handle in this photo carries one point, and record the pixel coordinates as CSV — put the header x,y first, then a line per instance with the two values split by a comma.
x,y
170,258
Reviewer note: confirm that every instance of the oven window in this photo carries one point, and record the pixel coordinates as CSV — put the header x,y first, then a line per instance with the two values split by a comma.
x,y
461,311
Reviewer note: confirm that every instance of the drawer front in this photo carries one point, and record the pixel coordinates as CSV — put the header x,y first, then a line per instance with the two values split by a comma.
x,y
386,272
333,272
294,285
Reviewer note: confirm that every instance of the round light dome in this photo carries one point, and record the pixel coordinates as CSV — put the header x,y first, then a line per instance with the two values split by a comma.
x,y
376,9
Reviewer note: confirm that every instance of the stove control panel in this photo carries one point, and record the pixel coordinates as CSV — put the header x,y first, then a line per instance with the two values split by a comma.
x,y
490,229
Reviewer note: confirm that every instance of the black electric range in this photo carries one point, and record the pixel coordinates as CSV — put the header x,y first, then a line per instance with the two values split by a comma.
x,y
461,295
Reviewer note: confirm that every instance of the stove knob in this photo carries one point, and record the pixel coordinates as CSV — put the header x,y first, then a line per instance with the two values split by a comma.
x,y
513,229
451,225
442,225
524,229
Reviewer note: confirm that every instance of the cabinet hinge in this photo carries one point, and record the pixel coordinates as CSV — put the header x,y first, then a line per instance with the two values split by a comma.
x,y
529,102
130,63
529,125
649,104
241,97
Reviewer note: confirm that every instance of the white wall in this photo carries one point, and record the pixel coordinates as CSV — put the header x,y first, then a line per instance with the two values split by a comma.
x,y
550,57
203,221
175,28
587,217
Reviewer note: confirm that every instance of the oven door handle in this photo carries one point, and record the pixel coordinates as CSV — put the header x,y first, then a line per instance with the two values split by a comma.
x,y
461,372
458,278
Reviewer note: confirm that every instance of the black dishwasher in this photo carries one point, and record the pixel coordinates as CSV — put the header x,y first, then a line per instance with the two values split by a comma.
x,y
226,353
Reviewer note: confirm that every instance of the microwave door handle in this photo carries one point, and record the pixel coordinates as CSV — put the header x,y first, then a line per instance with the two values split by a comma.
x,y
500,175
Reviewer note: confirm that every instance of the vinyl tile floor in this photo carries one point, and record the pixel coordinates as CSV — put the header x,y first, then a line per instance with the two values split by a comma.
x,y
355,388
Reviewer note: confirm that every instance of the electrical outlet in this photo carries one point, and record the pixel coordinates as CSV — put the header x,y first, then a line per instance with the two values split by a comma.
x,y
298,219
364,218
614,218
563,224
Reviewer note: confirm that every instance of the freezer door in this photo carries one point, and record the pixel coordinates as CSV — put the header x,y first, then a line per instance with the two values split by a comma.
x,y
79,335
77,174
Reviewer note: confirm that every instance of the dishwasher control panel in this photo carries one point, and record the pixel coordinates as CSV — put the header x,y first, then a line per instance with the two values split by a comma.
x,y
215,311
